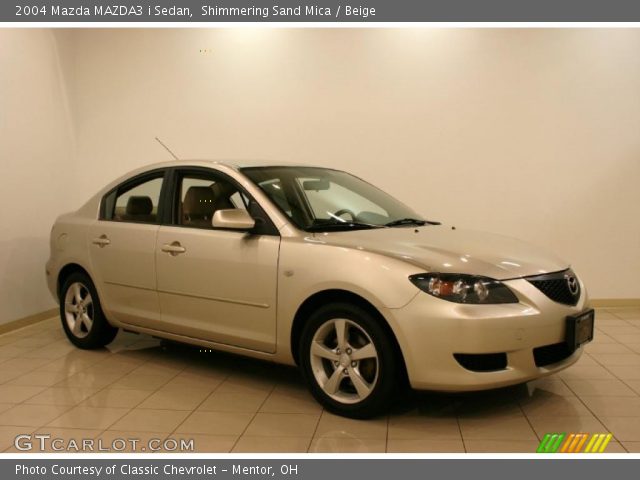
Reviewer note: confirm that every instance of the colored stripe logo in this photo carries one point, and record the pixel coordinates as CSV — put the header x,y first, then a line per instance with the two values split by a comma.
x,y
574,443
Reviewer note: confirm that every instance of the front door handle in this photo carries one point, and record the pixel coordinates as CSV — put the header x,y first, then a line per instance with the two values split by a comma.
x,y
101,241
173,248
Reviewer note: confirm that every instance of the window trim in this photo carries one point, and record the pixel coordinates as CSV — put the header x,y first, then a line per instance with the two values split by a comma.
x,y
131,183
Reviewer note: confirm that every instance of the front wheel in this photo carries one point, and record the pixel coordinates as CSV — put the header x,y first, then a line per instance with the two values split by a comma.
x,y
349,361
82,317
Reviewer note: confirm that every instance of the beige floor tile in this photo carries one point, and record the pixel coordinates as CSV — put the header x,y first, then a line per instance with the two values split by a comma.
x,y
209,443
631,447
117,397
625,372
18,393
8,375
291,403
271,444
634,384
38,379
550,405
12,351
347,445
244,385
597,348
58,440
608,388
89,417
613,406
625,312
156,369
424,445
585,360
89,380
505,428
50,352
33,342
411,427
8,435
501,446
175,398
32,415
6,406
23,365
618,359
187,380
150,420
234,402
110,367
601,337
215,423
596,372
615,447
625,429
544,425
619,332
61,396
610,320
67,365
283,424
333,426
141,381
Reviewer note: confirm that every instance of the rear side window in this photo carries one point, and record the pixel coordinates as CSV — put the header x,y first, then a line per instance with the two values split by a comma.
x,y
135,202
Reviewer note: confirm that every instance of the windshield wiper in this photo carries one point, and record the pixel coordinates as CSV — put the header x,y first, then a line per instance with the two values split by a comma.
x,y
341,226
410,221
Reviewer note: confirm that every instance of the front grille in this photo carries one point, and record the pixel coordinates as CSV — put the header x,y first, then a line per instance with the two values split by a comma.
x,y
482,362
558,286
550,354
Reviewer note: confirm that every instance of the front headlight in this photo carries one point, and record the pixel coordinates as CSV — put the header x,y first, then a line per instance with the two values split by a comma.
x,y
463,288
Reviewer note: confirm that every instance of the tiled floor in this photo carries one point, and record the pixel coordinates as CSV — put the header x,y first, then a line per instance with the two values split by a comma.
x,y
144,389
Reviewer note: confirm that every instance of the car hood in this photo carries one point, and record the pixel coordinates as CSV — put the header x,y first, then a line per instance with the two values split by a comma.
x,y
440,248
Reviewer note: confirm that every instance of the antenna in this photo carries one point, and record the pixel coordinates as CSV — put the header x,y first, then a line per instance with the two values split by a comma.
x,y
167,149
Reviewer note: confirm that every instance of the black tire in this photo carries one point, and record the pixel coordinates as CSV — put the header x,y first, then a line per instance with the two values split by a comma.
x,y
383,386
100,333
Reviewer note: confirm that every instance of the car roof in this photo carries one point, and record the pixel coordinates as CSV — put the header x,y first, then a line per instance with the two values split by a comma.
x,y
235,164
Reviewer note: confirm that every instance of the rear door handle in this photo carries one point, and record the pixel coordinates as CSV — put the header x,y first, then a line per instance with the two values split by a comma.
x,y
101,241
173,248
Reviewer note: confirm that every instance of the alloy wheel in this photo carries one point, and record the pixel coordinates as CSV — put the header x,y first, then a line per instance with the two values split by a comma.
x,y
79,311
344,360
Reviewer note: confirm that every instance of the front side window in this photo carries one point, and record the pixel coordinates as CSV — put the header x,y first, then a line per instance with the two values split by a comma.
x,y
201,195
318,199
135,202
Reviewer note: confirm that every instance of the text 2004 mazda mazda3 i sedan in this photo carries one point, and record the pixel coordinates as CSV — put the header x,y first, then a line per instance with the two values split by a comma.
x,y
316,267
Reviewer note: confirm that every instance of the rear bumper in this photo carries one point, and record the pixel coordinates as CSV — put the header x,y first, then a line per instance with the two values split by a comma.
x,y
430,331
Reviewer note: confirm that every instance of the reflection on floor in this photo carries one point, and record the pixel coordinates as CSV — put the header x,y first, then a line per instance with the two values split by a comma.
x,y
140,388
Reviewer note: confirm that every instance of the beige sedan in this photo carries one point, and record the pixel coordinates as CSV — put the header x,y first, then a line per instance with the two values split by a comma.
x,y
315,267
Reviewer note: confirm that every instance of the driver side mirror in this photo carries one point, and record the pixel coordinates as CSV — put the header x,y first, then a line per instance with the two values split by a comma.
x,y
233,219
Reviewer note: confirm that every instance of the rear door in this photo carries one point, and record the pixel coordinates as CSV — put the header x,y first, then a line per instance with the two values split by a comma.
x,y
122,249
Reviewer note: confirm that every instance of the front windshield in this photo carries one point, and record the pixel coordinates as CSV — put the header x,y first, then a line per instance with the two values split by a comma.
x,y
321,199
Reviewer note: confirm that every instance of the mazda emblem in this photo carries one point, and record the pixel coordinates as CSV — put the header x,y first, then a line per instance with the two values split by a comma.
x,y
572,282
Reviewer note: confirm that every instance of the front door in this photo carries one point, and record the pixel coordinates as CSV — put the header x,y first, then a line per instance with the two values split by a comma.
x,y
218,285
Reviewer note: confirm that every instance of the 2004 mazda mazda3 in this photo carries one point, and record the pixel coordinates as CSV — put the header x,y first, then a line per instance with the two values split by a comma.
x,y
314,267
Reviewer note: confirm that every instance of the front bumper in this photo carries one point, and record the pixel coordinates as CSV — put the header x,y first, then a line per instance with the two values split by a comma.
x,y
431,330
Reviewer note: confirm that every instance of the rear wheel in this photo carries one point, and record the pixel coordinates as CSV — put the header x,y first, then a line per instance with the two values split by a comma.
x,y
81,314
349,361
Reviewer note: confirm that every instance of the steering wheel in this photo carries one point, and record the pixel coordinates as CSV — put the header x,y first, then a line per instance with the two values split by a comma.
x,y
342,211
